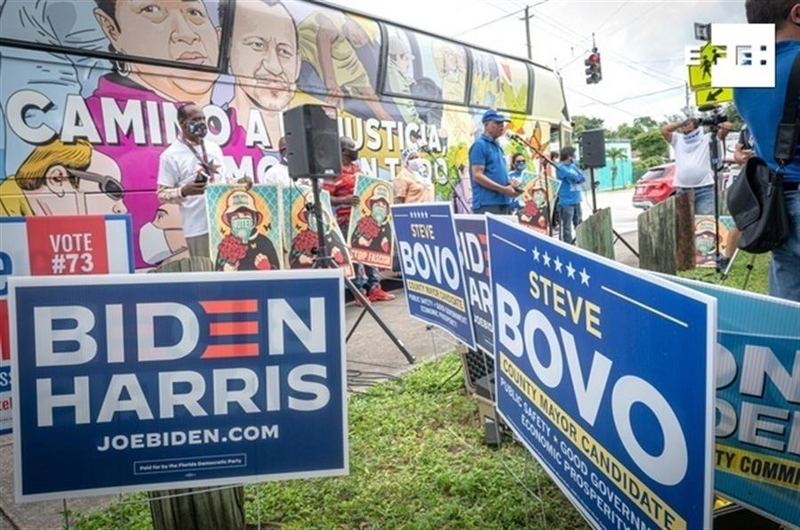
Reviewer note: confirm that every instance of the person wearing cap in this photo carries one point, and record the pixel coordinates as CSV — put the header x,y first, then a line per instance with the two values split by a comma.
x,y
493,191
248,248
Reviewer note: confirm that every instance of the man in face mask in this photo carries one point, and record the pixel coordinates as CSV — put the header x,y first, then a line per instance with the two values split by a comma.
x,y
185,169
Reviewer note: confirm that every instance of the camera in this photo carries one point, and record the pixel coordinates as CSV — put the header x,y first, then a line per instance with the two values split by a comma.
x,y
714,120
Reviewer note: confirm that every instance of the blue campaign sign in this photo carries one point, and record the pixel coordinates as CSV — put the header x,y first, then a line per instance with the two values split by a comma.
x,y
758,401
605,373
432,270
471,232
146,382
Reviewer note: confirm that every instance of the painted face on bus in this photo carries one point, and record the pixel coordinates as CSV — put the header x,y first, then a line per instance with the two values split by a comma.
x,y
264,54
171,30
104,194
100,195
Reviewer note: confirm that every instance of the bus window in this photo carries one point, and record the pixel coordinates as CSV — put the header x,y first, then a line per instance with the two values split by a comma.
x,y
278,47
182,33
499,82
423,68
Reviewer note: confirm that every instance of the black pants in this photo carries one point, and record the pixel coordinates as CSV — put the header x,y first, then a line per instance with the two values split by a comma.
x,y
496,209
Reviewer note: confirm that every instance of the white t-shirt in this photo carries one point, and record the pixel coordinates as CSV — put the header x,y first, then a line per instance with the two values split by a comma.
x,y
178,166
692,162
277,175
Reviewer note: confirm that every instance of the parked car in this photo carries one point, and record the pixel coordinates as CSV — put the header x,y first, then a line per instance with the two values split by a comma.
x,y
654,186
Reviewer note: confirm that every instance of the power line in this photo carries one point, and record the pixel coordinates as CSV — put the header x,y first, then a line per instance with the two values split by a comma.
x,y
624,59
612,16
648,94
493,21
610,105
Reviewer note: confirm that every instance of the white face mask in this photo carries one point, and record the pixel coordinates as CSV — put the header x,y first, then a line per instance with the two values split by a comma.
x,y
417,165
153,244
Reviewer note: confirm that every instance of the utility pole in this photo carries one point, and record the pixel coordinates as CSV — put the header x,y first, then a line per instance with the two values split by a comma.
x,y
527,20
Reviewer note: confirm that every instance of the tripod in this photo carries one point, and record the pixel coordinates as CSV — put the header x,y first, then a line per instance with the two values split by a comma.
x,y
714,150
593,183
324,260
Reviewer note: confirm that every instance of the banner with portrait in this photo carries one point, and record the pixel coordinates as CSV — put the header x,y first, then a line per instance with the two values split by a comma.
x,y
300,231
704,236
533,212
245,227
370,235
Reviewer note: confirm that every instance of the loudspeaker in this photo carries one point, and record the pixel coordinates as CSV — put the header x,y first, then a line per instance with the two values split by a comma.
x,y
593,148
312,141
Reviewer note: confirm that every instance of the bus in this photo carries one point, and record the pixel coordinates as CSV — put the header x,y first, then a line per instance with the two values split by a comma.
x,y
94,86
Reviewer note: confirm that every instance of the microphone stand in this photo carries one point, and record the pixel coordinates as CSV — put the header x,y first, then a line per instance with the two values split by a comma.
x,y
518,138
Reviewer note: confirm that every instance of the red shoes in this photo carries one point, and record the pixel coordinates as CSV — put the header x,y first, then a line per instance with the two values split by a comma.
x,y
377,294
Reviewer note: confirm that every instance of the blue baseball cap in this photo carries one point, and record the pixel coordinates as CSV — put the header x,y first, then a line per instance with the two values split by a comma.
x,y
493,115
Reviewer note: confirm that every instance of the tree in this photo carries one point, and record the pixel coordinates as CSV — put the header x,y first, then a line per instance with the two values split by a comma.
x,y
645,123
585,123
615,153
650,144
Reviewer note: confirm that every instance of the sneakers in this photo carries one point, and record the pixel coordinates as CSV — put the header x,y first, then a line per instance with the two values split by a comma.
x,y
358,300
377,294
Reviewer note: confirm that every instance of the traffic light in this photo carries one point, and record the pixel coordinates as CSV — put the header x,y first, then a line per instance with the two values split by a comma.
x,y
594,72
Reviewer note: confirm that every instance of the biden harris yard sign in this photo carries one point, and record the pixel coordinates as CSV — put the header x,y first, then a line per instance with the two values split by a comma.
x,y
471,232
605,373
131,383
758,401
432,269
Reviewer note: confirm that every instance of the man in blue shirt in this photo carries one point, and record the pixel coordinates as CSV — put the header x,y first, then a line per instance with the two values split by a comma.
x,y
762,109
569,194
492,189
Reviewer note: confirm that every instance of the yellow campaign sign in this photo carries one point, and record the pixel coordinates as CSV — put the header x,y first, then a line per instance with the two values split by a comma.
x,y
713,96
700,75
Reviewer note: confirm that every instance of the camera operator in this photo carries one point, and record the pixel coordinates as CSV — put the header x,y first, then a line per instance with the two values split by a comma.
x,y
693,161
762,109
185,169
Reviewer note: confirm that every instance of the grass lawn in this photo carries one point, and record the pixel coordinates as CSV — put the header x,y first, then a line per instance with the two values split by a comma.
x,y
417,460
738,273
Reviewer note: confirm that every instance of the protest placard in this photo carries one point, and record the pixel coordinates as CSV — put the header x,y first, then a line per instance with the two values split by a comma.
x,y
370,234
300,230
245,227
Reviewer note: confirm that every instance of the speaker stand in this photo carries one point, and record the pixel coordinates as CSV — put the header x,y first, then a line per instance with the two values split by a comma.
x,y
594,211
325,261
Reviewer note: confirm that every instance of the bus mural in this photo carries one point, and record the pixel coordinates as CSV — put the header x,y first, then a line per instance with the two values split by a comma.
x,y
89,92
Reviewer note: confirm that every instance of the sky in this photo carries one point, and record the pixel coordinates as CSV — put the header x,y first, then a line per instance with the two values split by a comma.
x,y
641,43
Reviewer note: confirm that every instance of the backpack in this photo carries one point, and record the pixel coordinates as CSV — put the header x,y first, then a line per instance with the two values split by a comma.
x,y
756,199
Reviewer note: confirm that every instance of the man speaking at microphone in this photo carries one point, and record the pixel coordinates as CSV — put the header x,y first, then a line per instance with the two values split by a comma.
x,y
492,189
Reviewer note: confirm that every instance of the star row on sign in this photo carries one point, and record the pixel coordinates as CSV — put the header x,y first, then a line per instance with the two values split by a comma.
x,y
418,215
555,263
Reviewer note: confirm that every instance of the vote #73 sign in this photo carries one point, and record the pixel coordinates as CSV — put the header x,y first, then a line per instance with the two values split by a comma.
x,y
55,246
605,374
143,382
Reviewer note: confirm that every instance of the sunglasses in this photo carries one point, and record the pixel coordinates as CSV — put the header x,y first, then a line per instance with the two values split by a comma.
x,y
108,185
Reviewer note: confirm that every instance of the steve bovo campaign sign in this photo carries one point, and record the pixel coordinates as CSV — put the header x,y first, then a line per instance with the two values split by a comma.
x,y
605,374
149,382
